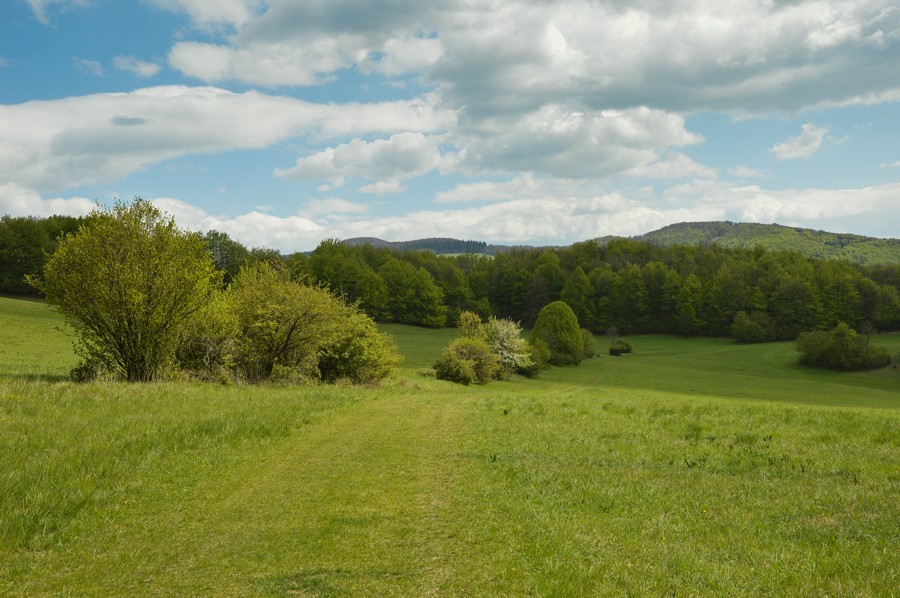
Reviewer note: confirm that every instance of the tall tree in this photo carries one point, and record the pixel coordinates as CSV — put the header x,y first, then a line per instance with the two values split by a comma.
x,y
577,294
413,297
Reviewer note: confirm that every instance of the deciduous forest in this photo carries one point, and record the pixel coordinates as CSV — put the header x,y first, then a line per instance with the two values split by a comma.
x,y
636,286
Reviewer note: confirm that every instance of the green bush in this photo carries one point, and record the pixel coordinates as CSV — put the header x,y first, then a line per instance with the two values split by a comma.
x,y
467,361
620,347
558,327
539,353
587,338
357,351
267,327
840,349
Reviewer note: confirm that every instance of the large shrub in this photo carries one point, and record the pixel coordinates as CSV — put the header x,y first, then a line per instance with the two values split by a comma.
x,y
356,351
504,337
128,282
267,326
558,327
840,349
467,361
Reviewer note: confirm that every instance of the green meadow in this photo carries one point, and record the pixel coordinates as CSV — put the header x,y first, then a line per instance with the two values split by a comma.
x,y
691,467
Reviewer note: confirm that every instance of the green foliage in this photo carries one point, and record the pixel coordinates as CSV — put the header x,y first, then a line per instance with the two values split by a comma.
x,y
539,353
811,243
587,338
25,244
227,254
467,361
356,351
620,347
840,349
755,327
269,327
578,294
558,327
412,295
470,325
128,282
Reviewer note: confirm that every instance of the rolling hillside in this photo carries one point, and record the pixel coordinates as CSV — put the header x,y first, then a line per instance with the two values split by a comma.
x,y
812,243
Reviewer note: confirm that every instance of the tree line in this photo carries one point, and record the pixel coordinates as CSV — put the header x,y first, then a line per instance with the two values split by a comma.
x,y
630,285
634,286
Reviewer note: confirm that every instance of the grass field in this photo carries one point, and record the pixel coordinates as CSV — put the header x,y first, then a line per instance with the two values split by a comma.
x,y
692,467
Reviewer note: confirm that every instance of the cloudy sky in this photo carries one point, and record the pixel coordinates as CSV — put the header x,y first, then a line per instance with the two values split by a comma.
x,y
285,122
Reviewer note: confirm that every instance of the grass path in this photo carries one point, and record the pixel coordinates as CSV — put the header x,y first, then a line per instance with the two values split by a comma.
x,y
355,503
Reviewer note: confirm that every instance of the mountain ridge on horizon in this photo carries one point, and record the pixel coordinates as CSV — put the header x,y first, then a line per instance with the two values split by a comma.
x,y
812,243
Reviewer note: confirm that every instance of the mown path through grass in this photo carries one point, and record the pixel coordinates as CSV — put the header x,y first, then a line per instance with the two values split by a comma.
x,y
352,503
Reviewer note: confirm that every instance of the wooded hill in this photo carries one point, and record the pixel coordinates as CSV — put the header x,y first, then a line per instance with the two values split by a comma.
x,y
811,243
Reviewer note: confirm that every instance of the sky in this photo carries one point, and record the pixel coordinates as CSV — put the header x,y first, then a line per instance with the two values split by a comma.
x,y
541,122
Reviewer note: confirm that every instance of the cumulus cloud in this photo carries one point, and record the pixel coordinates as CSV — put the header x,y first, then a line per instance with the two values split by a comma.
x,y
401,156
138,67
19,201
508,56
206,14
803,145
56,144
572,143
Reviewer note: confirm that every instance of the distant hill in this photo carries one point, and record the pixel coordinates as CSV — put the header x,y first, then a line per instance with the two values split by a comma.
x,y
812,243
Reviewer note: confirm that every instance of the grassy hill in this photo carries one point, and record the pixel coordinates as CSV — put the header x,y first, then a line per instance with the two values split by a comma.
x,y
812,243
693,466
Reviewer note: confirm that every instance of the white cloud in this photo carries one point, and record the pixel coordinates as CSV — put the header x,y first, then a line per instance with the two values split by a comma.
x,y
56,144
513,57
402,155
333,207
91,67
887,165
405,55
19,201
571,143
801,146
206,14
551,212
138,67
41,7
383,188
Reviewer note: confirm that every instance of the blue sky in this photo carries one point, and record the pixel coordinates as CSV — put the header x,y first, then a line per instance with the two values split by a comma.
x,y
285,122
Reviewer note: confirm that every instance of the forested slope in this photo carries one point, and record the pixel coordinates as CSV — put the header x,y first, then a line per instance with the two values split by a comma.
x,y
811,243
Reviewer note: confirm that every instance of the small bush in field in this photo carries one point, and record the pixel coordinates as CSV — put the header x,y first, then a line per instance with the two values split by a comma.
x,y
587,338
840,349
467,361
620,347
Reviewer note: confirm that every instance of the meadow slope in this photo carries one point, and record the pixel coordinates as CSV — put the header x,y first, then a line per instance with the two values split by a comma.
x,y
693,466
